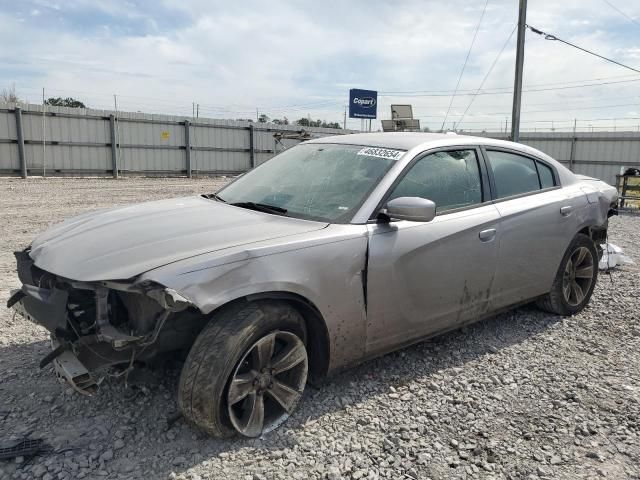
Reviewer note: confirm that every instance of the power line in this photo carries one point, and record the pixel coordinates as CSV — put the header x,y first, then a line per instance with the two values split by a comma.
x,y
145,102
548,36
464,65
566,87
566,102
547,111
487,74
546,84
621,12
570,121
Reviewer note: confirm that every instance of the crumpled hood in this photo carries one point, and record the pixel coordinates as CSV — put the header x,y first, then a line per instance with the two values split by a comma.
x,y
123,242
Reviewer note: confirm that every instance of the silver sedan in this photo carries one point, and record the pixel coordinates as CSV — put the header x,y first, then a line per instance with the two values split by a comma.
x,y
335,251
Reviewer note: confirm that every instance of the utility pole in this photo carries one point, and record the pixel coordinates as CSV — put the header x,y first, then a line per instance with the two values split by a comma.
x,y
517,86
344,124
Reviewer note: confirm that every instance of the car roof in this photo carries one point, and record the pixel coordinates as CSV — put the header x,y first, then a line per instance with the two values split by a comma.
x,y
420,141
409,140
398,140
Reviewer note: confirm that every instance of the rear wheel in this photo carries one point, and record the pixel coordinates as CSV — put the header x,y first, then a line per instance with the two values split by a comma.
x,y
575,279
246,371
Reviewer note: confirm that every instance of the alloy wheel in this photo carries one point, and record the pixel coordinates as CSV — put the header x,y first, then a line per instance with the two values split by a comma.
x,y
267,383
578,276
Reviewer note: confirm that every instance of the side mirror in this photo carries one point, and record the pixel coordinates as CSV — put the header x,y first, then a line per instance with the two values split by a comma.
x,y
414,209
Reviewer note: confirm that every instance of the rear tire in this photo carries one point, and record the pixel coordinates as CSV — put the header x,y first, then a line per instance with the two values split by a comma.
x,y
575,280
237,377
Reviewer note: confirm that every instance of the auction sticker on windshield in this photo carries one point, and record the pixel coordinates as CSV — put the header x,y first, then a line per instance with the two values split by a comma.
x,y
381,153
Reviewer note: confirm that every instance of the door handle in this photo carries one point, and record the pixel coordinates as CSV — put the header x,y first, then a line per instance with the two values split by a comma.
x,y
566,210
487,235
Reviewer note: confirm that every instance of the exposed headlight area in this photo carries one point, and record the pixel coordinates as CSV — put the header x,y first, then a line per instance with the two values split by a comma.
x,y
96,325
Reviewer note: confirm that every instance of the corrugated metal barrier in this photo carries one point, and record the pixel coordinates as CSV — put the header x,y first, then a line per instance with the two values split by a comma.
x,y
107,143
597,154
70,141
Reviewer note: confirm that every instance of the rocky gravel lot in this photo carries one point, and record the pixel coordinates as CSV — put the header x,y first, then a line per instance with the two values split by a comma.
x,y
522,395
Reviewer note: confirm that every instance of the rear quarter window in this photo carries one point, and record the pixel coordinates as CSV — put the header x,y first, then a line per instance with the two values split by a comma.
x,y
546,175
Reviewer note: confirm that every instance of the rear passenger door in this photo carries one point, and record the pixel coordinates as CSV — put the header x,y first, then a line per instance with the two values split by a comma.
x,y
537,223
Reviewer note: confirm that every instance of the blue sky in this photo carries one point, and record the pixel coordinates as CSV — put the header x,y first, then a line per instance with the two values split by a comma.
x,y
295,58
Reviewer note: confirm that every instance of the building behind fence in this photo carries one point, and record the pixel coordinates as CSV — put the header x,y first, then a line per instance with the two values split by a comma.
x,y
70,141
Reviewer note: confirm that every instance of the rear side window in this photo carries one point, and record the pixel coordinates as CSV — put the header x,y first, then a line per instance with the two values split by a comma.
x,y
546,175
513,174
449,179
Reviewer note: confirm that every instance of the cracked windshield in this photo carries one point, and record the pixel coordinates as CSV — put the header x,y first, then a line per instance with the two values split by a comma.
x,y
325,182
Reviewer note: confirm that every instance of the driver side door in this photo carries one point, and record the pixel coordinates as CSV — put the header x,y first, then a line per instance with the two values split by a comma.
x,y
428,277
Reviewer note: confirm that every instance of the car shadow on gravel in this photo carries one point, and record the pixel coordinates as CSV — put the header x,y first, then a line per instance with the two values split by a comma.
x,y
44,407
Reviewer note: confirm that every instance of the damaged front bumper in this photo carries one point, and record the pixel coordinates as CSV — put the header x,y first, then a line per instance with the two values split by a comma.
x,y
48,308
69,369
92,325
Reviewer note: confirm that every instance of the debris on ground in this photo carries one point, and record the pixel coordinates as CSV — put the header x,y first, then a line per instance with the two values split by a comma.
x,y
612,256
21,449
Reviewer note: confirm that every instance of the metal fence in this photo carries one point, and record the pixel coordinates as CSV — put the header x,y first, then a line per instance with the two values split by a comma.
x,y
69,141
597,154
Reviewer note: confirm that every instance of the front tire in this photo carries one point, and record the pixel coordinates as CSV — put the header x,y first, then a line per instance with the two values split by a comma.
x,y
575,280
246,370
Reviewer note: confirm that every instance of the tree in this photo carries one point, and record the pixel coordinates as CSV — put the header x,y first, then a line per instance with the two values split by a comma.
x,y
284,121
263,118
64,102
9,95
305,122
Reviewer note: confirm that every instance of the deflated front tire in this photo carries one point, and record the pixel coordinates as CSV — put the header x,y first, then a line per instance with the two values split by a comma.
x,y
246,371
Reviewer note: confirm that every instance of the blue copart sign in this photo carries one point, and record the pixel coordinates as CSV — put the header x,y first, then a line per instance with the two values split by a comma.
x,y
363,103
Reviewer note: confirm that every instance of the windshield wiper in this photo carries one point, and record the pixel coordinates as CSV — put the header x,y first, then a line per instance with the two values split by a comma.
x,y
261,207
215,196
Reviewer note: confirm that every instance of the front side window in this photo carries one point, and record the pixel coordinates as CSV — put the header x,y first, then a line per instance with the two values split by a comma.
x,y
513,174
326,182
450,179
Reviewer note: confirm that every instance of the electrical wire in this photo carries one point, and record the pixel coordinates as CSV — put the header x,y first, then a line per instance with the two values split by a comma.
x,y
156,105
546,84
621,12
566,87
487,74
548,36
493,114
464,65
571,102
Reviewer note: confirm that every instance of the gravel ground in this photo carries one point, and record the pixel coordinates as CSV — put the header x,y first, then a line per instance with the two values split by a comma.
x,y
522,395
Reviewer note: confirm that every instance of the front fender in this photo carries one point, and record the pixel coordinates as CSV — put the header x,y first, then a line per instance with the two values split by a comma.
x,y
328,275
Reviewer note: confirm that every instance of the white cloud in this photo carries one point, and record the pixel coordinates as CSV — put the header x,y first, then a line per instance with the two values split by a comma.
x,y
233,57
